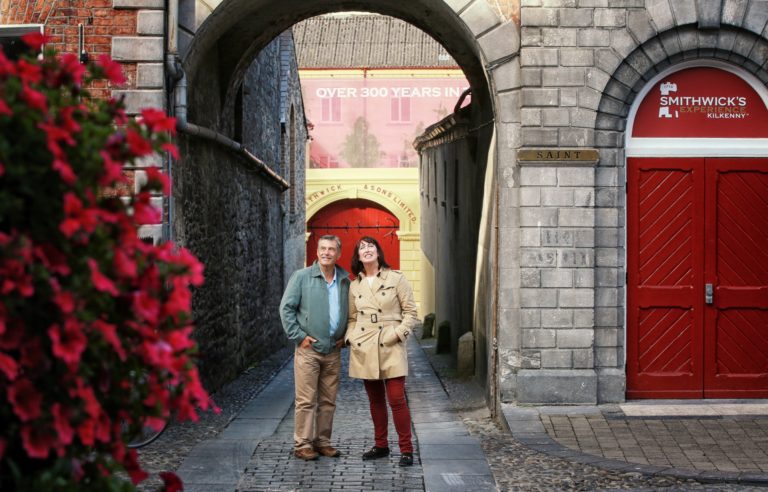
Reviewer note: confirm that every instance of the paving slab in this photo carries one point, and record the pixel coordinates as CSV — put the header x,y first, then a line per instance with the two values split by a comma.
x,y
711,441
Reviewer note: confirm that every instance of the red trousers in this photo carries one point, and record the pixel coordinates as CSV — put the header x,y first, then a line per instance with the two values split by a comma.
x,y
392,390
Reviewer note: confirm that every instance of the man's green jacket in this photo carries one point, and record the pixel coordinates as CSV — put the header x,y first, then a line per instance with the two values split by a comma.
x,y
304,308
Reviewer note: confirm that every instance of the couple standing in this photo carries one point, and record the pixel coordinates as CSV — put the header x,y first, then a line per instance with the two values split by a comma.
x,y
322,310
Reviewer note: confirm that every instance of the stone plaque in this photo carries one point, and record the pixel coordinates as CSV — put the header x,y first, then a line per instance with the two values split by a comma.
x,y
558,155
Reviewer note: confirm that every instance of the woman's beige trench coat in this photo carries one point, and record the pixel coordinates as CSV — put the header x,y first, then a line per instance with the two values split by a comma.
x,y
381,316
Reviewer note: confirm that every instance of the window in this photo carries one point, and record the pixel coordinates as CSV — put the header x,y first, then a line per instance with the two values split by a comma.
x,y
331,110
326,160
292,164
10,38
400,110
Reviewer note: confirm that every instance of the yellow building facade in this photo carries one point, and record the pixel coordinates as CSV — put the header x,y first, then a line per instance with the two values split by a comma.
x,y
396,190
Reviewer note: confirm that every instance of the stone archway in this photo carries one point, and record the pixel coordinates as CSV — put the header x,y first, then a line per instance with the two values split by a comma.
x,y
472,32
217,56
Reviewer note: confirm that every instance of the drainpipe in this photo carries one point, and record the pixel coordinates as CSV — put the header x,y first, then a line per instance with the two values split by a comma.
x,y
179,81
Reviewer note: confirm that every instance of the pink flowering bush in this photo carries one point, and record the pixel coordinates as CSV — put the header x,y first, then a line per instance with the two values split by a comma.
x,y
94,323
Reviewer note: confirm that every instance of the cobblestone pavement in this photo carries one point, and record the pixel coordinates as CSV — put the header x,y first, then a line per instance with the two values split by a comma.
x,y
518,467
515,466
273,467
169,450
727,444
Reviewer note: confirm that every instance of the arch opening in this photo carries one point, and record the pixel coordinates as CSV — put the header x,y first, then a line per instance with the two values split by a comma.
x,y
218,61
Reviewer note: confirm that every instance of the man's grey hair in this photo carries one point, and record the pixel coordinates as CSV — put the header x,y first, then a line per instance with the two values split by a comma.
x,y
330,237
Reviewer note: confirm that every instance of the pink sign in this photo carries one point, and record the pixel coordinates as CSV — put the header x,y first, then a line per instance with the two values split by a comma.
x,y
372,121
702,102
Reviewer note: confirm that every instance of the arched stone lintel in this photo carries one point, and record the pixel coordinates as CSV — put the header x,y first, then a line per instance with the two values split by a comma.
x,y
627,81
238,29
351,193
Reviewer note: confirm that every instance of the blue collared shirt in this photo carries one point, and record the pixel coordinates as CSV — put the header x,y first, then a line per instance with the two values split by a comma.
x,y
333,303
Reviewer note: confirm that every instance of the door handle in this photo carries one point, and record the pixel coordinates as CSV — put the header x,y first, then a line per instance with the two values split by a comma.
x,y
708,294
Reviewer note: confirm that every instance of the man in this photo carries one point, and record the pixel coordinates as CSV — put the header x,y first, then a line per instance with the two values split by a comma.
x,y
314,315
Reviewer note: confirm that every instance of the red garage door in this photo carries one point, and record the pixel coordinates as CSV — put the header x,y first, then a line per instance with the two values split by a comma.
x,y
351,220
697,289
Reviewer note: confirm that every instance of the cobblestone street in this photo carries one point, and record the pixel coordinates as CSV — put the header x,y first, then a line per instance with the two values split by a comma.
x,y
271,466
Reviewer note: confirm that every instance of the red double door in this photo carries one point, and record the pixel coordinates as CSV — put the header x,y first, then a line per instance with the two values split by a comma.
x,y
697,286
352,219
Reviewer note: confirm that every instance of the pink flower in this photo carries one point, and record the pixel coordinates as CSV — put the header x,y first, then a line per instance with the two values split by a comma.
x,y
171,482
37,440
35,100
146,306
7,67
179,339
186,258
133,468
53,259
145,213
171,149
113,170
109,332
86,393
71,67
29,73
65,171
5,109
35,40
8,366
56,133
124,265
66,302
69,342
86,431
26,400
100,281
156,177
112,69
61,417
138,145
157,121
179,301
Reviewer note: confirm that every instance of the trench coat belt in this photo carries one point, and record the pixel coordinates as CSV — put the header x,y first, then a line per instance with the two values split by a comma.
x,y
376,318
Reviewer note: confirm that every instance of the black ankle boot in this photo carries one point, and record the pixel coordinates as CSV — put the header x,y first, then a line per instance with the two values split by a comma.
x,y
406,459
375,453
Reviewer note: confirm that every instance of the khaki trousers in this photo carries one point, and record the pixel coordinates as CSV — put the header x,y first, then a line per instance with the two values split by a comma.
x,y
316,379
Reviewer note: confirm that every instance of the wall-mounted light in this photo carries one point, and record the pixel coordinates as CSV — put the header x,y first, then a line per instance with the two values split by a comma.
x,y
81,44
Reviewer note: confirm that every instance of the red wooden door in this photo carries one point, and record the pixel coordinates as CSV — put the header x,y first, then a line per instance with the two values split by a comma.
x,y
736,324
351,220
692,222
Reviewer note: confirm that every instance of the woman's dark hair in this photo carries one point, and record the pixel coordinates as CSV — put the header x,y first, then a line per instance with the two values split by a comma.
x,y
357,265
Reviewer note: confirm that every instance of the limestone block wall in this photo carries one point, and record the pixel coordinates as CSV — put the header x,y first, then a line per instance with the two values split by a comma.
x,y
581,68
232,218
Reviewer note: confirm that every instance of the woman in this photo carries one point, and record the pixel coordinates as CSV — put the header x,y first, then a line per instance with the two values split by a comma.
x,y
381,315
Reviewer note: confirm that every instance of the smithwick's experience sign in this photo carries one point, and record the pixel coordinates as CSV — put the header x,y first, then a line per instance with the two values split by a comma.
x,y
557,155
701,102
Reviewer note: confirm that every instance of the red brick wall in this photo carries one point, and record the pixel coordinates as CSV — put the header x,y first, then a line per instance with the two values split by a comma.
x,y
61,18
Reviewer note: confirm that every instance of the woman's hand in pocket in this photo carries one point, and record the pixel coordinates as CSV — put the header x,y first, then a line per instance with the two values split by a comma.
x,y
390,338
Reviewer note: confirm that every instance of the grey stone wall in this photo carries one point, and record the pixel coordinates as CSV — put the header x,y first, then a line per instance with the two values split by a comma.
x,y
581,68
452,171
230,216
294,158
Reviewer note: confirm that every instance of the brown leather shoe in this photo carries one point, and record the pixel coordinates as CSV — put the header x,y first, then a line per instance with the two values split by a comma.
x,y
306,454
329,452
